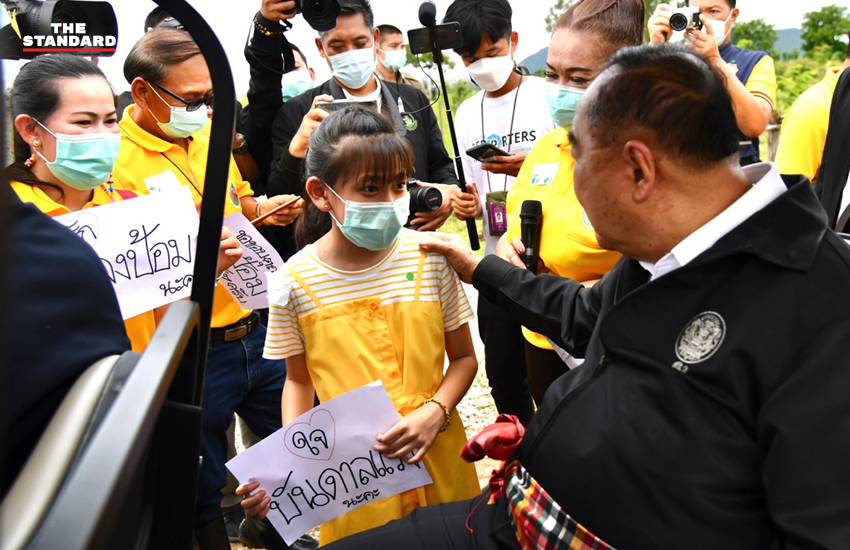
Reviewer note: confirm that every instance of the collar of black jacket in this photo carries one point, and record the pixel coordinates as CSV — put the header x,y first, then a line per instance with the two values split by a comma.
x,y
786,232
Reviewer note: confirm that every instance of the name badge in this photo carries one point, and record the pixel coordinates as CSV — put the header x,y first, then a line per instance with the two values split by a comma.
x,y
163,181
544,174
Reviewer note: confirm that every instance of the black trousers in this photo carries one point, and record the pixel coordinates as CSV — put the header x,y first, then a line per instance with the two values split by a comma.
x,y
464,525
544,366
504,351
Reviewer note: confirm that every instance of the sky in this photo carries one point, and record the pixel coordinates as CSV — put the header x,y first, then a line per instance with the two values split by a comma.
x,y
231,22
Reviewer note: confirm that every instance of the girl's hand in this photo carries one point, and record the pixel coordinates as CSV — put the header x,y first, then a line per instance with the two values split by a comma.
x,y
466,205
256,504
418,430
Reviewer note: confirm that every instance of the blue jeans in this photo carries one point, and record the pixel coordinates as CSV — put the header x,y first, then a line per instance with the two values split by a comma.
x,y
239,380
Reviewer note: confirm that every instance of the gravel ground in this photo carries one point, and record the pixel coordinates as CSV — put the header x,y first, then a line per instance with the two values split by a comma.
x,y
477,409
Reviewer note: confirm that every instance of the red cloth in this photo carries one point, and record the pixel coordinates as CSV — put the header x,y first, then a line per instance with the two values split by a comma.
x,y
499,441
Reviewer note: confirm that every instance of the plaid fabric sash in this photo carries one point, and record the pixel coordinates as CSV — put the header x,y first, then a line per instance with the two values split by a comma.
x,y
540,522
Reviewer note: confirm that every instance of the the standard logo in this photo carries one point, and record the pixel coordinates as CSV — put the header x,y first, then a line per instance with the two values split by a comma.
x,y
699,340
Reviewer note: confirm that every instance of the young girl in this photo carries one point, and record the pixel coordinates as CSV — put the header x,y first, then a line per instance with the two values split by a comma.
x,y
363,303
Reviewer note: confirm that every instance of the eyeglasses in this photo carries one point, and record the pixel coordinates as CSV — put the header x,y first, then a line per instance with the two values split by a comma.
x,y
192,105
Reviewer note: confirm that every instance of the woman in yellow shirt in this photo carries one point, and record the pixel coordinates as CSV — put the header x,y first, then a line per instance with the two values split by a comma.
x,y
584,38
66,142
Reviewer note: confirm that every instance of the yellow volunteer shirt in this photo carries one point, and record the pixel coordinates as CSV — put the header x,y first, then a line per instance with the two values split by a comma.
x,y
140,328
762,81
568,244
804,129
147,163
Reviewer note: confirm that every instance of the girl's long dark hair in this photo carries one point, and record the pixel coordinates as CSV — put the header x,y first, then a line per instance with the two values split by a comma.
x,y
347,144
36,92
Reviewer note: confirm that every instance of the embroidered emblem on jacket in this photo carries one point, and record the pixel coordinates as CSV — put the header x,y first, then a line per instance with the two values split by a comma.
x,y
410,122
700,339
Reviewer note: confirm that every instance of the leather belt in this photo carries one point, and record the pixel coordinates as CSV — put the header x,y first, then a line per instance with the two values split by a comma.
x,y
237,330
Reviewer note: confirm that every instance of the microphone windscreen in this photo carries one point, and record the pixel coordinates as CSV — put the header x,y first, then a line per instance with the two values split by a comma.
x,y
428,14
531,208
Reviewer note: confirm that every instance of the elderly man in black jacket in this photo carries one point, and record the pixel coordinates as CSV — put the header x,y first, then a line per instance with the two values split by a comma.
x,y
711,410
350,50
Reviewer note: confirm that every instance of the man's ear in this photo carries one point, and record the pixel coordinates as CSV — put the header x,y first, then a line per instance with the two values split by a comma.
x,y
514,42
318,193
141,93
640,162
312,75
735,13
377,37
320,47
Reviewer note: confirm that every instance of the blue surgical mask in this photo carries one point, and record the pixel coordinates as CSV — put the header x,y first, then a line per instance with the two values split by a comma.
x,y
295,83
373,225
394,60
83,161
183,123
354,67
563,101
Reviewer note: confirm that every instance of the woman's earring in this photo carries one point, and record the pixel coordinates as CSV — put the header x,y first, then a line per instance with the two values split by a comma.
x,y
36,143
30,161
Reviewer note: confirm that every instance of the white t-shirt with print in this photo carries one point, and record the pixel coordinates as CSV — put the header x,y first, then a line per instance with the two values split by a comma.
x,y
531,121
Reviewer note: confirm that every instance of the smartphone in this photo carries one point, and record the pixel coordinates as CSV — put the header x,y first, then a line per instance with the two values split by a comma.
x,y
448,38
337,104
484,151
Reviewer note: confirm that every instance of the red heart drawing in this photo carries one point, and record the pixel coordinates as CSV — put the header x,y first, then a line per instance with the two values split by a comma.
x,y
314,439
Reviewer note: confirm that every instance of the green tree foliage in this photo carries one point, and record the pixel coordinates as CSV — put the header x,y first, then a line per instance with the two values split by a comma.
x,y
556,11
426,61
756,35
826,31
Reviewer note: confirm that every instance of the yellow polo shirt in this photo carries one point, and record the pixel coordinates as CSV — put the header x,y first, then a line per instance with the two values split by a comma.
x,y
140,328
804,128
568,244
762,81
144,156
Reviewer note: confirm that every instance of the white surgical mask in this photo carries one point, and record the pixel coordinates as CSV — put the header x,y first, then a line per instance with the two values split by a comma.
x,y
394,60
719,28
295,83
373,225
492,73
354,67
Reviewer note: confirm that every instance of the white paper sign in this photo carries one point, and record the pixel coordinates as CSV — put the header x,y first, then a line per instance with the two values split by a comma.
x,y
247,280
322,465
164,181
147,245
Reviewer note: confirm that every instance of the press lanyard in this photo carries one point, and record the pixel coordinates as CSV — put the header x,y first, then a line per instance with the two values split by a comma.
x,y
510,133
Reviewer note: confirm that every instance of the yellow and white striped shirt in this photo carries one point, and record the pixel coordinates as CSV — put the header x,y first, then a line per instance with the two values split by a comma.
x,y
391,281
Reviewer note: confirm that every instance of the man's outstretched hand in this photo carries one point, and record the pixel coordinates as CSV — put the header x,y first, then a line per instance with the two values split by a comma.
x,y
460,257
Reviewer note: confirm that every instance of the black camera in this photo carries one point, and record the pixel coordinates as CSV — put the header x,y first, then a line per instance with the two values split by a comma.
x,y
684,19
320,14
422,199
74,26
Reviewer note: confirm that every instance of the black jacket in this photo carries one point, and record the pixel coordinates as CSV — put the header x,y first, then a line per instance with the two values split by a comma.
x,y
712,410
432,163
835,165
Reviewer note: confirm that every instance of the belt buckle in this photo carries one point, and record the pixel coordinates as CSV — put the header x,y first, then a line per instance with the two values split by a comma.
x,y
235,333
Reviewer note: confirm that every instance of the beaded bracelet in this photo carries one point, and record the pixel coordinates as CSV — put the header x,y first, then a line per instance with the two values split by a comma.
x,y
445,411
265,30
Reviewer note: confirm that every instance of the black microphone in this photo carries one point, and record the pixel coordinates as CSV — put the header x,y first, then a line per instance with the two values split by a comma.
x,y
531,222
428,14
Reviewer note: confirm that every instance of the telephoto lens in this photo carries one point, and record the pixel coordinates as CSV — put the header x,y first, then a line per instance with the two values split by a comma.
x,y
320,14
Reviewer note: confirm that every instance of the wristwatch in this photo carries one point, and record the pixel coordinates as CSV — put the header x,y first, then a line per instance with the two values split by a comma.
x,y
243,145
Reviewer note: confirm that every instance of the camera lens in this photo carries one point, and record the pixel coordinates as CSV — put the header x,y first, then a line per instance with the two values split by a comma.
x,y
424,199
678,22
320,14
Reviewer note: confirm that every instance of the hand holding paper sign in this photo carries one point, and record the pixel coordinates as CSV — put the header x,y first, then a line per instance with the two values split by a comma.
x,y
415,432
228,250
323,464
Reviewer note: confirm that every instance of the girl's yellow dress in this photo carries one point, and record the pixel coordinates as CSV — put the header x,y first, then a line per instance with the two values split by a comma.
x,y
385,323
